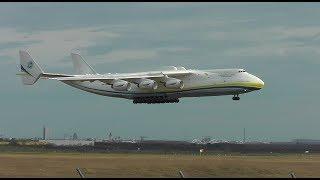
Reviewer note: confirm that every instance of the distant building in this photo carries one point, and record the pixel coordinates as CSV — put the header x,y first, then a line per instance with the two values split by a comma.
x,y
44,133
128,141
75,136
110,136
69,142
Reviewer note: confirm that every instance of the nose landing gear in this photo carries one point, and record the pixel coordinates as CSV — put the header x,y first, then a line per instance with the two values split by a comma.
x,y
236,97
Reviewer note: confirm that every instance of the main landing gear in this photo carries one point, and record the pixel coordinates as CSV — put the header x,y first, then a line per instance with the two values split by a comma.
x,y
236,97
154,100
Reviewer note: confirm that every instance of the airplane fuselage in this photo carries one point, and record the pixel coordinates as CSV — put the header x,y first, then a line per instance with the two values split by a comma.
x,y
199,83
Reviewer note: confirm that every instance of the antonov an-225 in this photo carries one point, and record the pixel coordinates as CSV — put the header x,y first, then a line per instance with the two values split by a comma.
x,y
165,86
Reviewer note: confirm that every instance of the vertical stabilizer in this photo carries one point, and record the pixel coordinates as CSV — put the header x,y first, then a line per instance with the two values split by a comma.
x,y
80,65
31,70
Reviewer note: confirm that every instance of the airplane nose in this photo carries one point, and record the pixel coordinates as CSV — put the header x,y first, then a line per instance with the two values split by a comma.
x,y
260,83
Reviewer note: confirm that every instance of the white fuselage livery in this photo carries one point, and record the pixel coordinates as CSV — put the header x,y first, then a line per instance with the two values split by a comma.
x,y
149,87
198,83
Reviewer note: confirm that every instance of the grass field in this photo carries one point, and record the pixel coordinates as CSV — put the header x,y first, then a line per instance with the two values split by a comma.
x,y
157,165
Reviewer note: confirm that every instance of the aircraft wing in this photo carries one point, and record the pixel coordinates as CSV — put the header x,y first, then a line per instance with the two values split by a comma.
x,y
109,78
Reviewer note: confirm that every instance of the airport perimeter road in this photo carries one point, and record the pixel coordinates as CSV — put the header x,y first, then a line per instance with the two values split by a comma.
x,y
152,165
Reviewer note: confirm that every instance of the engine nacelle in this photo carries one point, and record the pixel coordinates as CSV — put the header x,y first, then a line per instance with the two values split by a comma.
x,y
121,85
174,83
148,84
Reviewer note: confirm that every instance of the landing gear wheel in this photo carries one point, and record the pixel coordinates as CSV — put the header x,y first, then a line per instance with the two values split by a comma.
x,y
154,100
236,97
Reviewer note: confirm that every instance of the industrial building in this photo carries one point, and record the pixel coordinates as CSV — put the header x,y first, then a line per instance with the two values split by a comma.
x,y
69,142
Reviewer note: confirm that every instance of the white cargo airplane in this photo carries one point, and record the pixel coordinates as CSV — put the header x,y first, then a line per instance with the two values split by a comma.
x,y
165,86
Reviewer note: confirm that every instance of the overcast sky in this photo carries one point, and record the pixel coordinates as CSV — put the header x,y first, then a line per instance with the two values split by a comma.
x,y
278,42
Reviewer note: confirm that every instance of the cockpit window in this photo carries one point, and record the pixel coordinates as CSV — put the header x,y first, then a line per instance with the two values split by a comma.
x,y
242,71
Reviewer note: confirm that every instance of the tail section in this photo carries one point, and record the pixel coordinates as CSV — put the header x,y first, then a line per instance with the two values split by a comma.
x,y
31,70
80,65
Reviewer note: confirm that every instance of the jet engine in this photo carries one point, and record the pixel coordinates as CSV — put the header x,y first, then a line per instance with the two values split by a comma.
x,y
174,83
121,85
148,84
